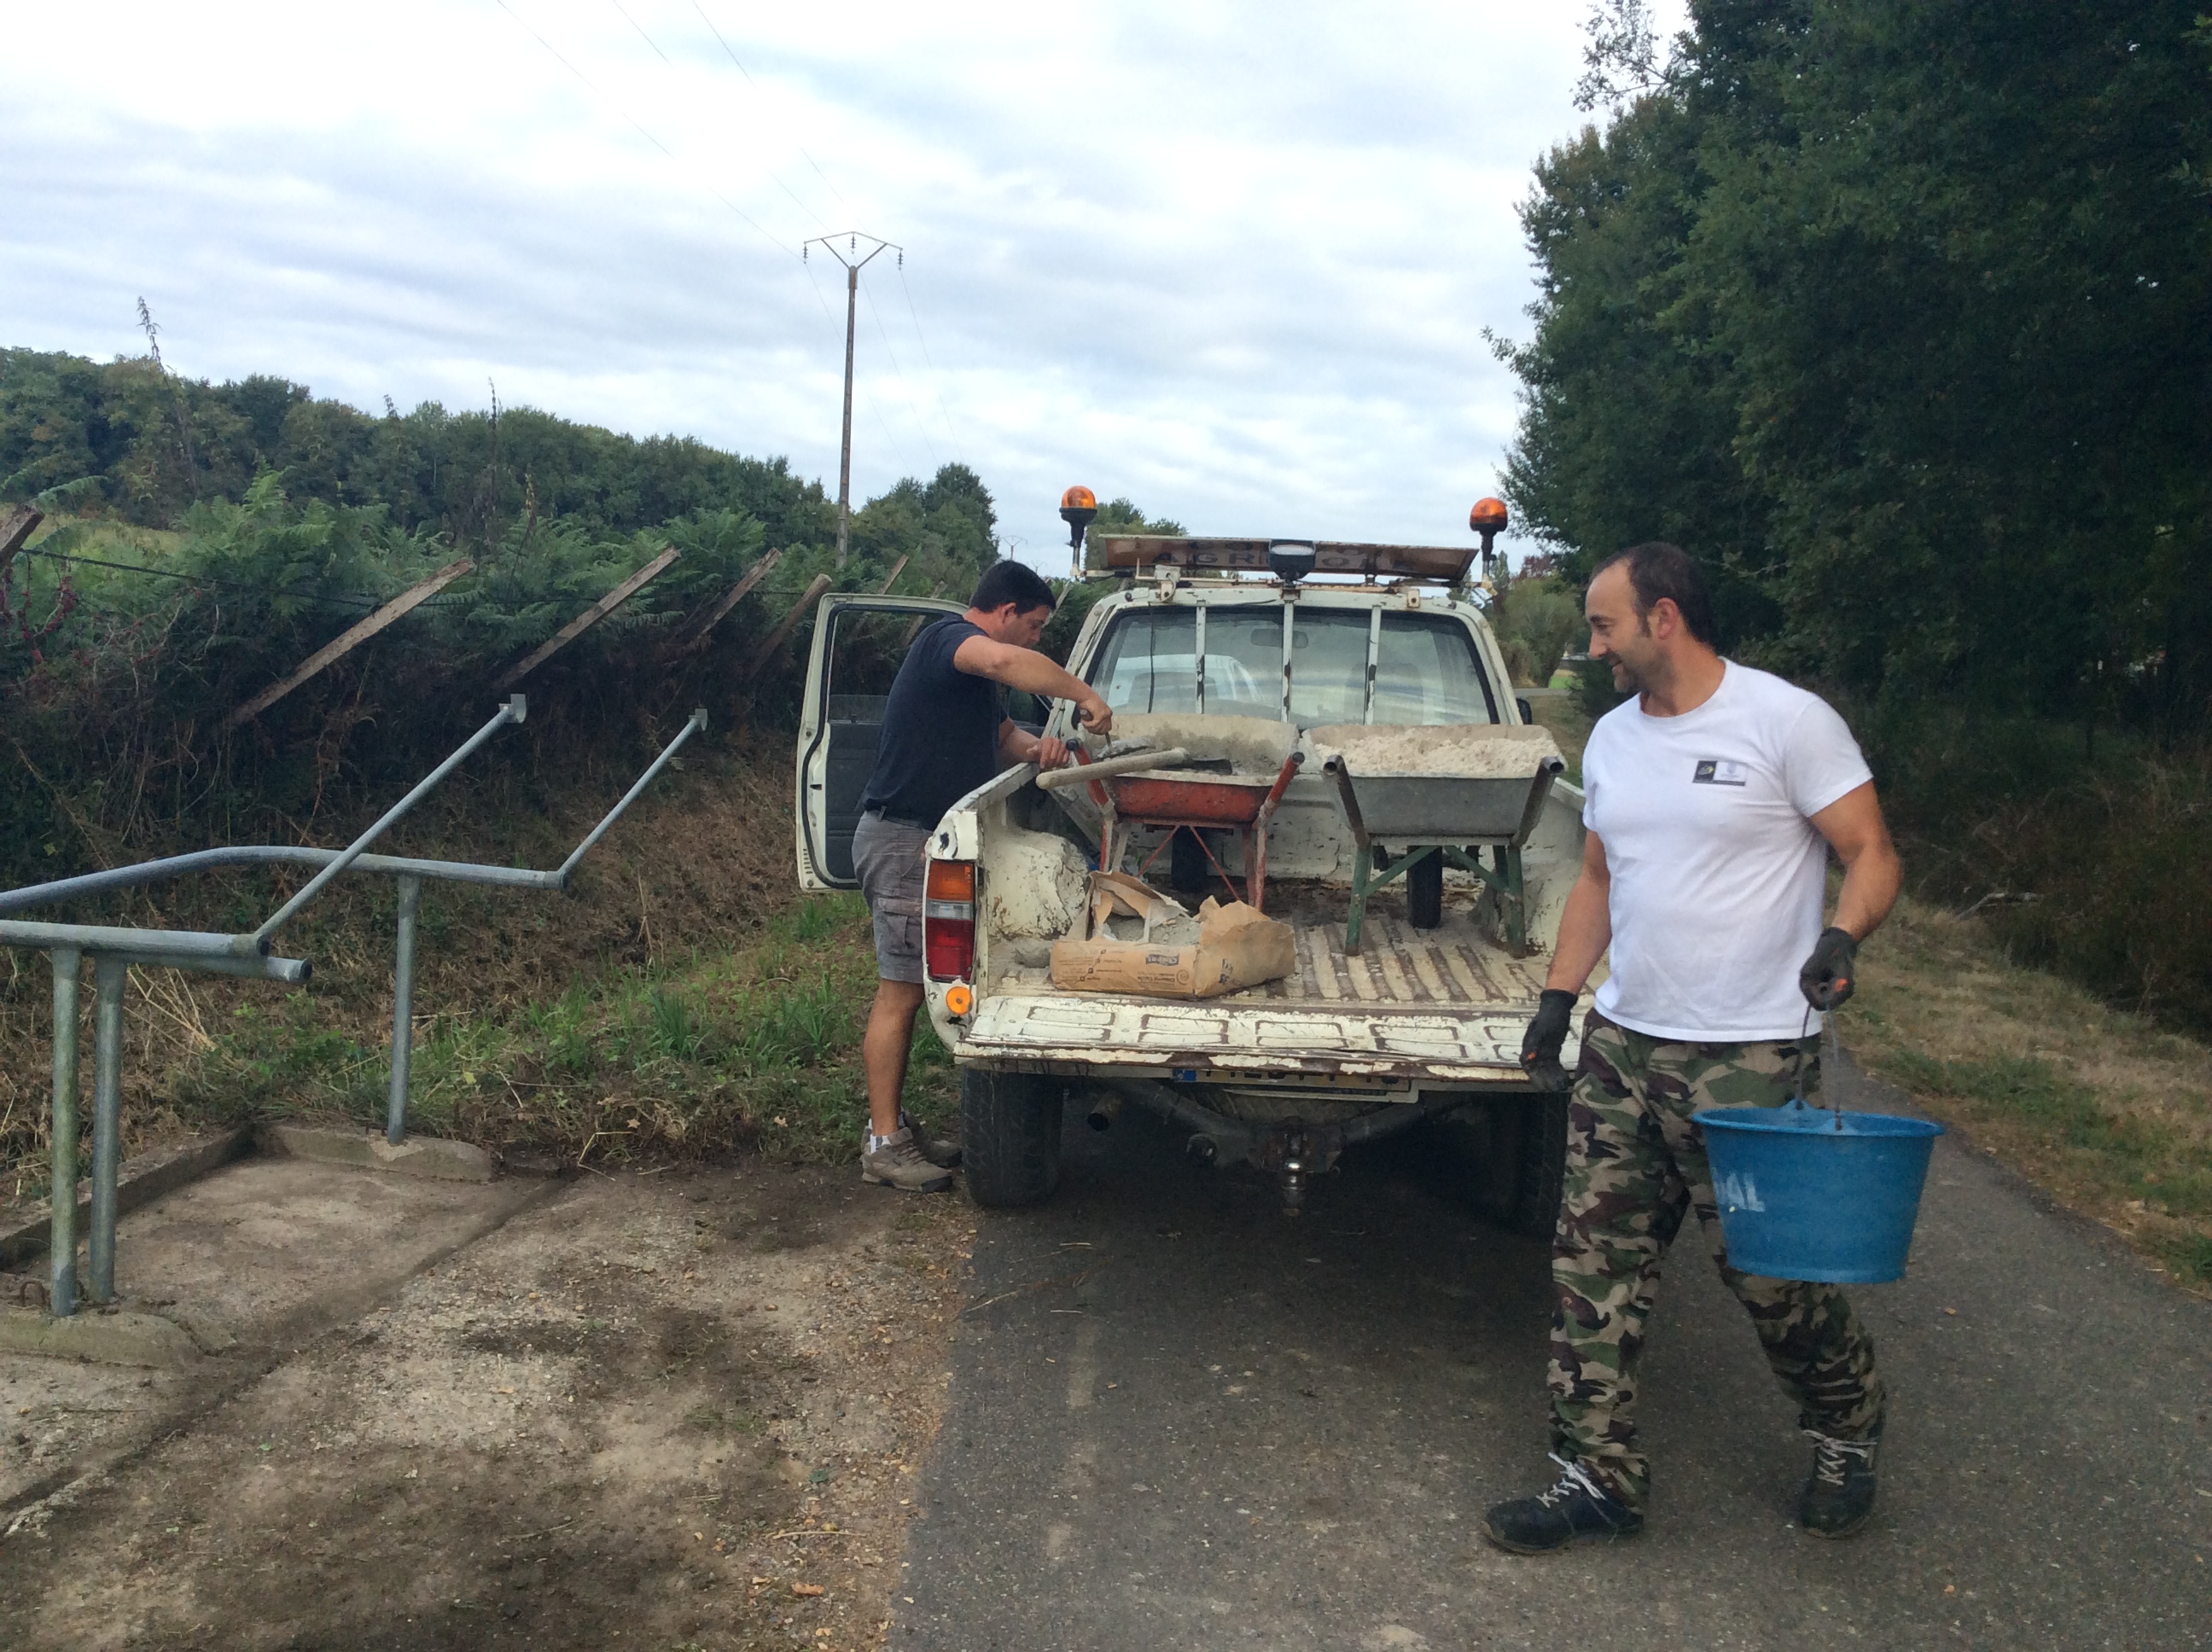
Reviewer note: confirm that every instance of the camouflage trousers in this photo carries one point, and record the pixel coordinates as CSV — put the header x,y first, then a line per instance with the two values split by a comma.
x,y
1635,1165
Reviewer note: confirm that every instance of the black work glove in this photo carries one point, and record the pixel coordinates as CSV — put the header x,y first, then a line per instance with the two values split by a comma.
x,y
1546,1034
1831,975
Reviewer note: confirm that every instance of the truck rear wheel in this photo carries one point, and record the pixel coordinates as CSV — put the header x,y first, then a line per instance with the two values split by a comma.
x,y
1424,891
1009,1136
1190,870
1542,1152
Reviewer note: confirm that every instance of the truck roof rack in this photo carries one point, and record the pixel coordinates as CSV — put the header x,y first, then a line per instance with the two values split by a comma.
x,y
1109,554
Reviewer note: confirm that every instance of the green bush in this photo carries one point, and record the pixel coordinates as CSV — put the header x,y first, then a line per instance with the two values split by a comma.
x,y
2101,853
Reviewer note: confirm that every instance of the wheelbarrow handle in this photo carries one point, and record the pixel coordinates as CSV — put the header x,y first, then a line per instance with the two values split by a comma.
x,y
1338,770
1053,779
1282,784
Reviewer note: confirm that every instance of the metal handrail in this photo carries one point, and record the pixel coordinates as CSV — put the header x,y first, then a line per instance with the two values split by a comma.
x,y
255,855
113,949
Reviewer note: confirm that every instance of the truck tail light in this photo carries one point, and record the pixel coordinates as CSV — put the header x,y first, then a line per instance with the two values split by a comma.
x,y
948,921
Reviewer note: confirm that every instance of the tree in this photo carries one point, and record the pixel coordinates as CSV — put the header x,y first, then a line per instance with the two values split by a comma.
x,y
1900,317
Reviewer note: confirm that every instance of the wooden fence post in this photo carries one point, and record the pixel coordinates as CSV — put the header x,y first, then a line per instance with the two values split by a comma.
x,y
913,629
348,641
585,621
784,626
13,531
694,634
898,568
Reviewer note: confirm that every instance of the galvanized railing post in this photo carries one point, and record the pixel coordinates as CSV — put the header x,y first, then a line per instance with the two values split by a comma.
x,y
111,975
403,1009
68,961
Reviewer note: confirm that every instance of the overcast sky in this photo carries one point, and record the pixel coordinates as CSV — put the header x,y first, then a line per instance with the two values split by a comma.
x,y
1233,261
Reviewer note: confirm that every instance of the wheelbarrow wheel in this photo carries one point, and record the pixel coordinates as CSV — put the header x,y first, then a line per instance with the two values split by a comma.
x,y
1424,891
1009,1136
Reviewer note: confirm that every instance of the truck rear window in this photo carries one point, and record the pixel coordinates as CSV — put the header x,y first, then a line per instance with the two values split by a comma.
x,y
1426,667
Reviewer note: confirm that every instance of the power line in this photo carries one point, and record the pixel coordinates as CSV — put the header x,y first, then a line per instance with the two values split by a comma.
x,y
899,374
935,378
633,121
754,84
665,58
641,34
333,597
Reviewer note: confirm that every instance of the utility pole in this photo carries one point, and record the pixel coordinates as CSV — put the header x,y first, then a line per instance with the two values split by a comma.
x,y
853,259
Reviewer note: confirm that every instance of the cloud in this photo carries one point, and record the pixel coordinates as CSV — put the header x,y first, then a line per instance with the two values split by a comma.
x,y
1233,261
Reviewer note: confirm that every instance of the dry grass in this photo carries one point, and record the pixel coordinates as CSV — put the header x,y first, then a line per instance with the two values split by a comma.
x,y
2109,1114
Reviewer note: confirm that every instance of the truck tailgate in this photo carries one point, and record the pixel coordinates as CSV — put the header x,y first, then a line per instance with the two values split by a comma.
x,y
1447,1005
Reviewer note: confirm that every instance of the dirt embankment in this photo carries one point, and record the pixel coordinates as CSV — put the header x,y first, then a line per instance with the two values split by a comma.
x,y
624,1015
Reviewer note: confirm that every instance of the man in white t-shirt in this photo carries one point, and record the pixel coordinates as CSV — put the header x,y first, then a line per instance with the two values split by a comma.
x,y
1713,797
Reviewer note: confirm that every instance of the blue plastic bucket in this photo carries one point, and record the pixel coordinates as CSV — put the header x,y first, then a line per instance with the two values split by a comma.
x,y
1800,1198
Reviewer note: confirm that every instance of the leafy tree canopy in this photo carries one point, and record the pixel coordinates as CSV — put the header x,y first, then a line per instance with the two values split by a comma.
x,y
1898,317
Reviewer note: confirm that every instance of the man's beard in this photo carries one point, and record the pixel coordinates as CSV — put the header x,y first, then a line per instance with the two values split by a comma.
x,y
1626,679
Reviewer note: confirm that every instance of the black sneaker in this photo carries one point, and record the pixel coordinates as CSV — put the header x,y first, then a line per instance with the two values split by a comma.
x,y
1576,1507
1838,1496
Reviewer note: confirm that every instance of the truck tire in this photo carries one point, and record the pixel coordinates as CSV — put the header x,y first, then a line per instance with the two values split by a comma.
x,y
1542,1154
1009,1136
1425,892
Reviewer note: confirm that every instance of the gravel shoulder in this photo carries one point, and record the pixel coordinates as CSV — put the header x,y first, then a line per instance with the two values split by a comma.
x,y
676,1409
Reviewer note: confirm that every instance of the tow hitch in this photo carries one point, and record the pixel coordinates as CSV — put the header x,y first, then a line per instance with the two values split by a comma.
x,y
1291,1150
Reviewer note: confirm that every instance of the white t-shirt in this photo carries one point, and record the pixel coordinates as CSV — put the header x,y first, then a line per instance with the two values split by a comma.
x,y
1718,876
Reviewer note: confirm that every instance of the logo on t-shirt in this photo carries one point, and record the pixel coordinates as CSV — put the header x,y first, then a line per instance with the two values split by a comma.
x,y
1720,771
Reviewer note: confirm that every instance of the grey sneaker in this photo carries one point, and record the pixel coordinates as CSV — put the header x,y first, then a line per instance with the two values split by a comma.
x,y
898,1164
943,1151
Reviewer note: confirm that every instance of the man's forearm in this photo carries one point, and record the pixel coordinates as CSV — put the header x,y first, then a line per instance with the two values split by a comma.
x,y
1870,888
1024,668
1585,931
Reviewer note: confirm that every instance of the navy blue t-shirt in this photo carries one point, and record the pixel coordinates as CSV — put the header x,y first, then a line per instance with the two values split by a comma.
x,y
940,732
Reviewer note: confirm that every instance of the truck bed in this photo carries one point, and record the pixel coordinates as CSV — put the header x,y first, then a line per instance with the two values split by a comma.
x,y
1430,1008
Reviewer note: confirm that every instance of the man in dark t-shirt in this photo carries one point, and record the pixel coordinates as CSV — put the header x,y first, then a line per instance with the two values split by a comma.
x,y
944,733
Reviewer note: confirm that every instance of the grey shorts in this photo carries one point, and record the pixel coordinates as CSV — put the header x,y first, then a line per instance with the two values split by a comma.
x,y
888,855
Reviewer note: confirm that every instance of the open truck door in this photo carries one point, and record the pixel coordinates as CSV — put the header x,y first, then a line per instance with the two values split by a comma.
x,y
860,643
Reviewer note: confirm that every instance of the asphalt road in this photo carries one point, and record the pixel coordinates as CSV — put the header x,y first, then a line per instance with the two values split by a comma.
x,y
1178,1419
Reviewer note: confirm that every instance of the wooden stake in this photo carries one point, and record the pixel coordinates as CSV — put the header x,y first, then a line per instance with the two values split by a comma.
x,y
898,568
913,629
777,638
585,621
695,633
349,640
13,531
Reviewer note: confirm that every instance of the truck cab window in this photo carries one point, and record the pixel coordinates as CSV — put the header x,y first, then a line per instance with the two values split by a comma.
x,y
1150,661
1329,666
1425,671
1244,661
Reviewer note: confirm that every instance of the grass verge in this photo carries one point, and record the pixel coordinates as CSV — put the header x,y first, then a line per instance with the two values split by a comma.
x,y
2111,1114
754,1046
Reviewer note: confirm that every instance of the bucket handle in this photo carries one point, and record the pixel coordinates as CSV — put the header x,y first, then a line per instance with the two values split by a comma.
x,y
1832,1062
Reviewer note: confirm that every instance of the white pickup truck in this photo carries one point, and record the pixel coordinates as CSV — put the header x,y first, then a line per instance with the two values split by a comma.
x,y
1423,1022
